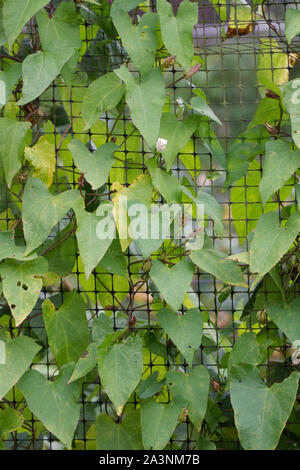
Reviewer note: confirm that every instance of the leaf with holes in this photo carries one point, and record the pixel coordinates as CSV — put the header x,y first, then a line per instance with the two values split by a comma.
x,y
191,389
22,285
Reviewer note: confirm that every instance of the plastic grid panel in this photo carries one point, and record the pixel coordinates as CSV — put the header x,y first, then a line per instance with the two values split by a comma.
x,y
228,78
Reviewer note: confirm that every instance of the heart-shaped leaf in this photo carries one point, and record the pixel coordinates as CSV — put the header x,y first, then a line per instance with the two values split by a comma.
x,y
184,330
260,412
95,166
67,328
158,422
125,435
120,369
41,211
22,285
191,389
19,354
174,282
55,403
286,317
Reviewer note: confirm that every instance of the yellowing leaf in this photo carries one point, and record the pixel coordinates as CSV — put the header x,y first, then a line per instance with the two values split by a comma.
x,y
42,158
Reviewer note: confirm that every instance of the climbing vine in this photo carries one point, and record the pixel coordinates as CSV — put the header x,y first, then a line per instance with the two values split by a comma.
x,y
64,168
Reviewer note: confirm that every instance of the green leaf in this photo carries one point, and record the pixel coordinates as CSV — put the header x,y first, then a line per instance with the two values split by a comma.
x,y
205,444
42,158
292,24
140,41
149,245
268,110
16,13
61,259
280,163
158,422
59,37
291,97
199,105
211,141
211,208
146,101
260,412
22,285
124,435
8,249
174,282
168,185
95,166
41,211
150,386
102,95
177,133
12,147
38,70
120,369
67,328
286,317
246,349
191,389
86,363
271,242
91,248
185,330
242,151
19,354
101,330
8,79
177,31
10,420
114,261
214,262
55,403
